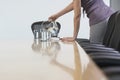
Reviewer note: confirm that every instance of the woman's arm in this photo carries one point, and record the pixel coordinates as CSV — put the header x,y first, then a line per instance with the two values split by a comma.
x,y
62,12
66,10
77,15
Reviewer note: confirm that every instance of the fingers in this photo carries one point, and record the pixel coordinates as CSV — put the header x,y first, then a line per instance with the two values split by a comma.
x,y
53,17
68,39
49,19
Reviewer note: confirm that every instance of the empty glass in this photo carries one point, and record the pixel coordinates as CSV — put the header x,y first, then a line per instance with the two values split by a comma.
x,y
45,35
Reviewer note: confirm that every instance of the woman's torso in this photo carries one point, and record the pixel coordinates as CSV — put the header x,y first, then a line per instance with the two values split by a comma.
x,y
96,10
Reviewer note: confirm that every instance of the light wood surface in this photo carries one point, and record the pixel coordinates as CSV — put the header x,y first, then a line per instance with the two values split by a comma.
x,y
54,60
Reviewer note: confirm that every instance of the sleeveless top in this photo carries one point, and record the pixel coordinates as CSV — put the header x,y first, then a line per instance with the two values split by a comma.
x,y
96,10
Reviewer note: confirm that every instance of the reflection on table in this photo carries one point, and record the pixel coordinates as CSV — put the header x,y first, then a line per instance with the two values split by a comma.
x,y
50,48
52,60
82,67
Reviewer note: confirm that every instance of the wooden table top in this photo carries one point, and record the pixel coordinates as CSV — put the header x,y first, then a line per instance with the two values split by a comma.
x,y
53,60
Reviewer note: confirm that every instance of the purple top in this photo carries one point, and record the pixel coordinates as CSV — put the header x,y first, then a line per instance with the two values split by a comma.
x,y
96,10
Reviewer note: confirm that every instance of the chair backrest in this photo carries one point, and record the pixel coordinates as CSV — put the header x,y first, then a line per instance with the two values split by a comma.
x,y
115,38
110,28
45,24
36,25
112,37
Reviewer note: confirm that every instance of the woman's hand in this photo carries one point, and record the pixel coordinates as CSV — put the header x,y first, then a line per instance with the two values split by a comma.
x,y
53,17
68,39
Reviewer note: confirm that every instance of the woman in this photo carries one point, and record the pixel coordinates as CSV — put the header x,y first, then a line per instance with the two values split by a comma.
x,y
97,12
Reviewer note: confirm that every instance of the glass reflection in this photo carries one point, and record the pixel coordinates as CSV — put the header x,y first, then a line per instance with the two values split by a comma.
x,y
49,48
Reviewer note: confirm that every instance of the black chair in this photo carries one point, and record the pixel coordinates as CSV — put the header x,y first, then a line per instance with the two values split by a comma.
x,y
113,73
109,39
110,43
112,38
106,55
46,25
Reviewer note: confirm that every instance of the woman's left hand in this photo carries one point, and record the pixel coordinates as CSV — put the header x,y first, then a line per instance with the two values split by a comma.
x,y
68,39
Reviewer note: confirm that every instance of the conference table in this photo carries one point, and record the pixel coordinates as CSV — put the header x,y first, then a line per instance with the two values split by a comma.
x,y
46,60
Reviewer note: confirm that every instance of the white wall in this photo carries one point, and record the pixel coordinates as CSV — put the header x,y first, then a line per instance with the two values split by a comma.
x,y
16,17
115,4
